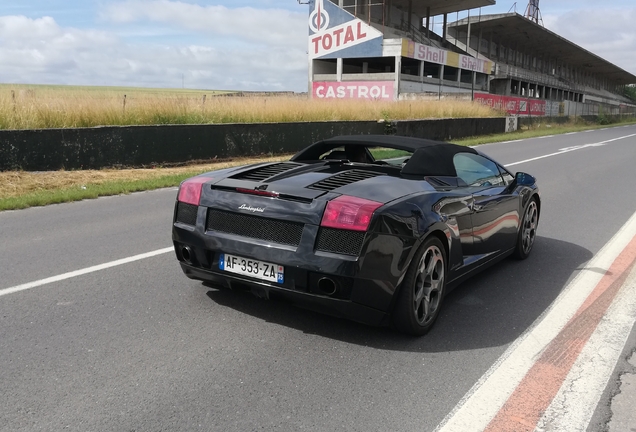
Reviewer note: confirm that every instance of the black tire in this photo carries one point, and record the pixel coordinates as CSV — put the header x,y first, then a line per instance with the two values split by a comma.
x,y
422,290
527,230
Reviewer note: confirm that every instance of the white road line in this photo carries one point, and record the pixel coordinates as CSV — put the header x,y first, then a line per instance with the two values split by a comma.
x,y
538,157
571,149
484,400
574,404
84,271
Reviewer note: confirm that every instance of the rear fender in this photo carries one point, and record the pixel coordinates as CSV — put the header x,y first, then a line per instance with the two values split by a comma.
x,y
438,230
526,195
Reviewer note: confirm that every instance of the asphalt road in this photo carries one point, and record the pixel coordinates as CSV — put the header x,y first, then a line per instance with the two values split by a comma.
x,y
139,347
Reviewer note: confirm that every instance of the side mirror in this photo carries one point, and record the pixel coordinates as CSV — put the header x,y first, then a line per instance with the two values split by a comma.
x,y
524,179
521,179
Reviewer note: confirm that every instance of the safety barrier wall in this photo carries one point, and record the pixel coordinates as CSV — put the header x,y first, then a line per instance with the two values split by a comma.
x,y
449,129
136,146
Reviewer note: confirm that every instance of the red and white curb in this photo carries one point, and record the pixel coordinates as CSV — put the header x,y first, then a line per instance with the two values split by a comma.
x,y
551,378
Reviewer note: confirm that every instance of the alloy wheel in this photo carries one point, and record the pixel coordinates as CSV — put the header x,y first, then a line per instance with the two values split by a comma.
x,y
428,285
529,228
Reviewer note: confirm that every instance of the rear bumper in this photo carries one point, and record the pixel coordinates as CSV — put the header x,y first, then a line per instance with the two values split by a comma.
x,y
320,303
366,282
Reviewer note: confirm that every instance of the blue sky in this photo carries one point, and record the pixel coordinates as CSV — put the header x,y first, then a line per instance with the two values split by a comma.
x,y
240,44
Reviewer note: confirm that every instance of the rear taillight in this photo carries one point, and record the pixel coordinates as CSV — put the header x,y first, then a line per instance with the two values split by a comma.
x,y
190,190
350,213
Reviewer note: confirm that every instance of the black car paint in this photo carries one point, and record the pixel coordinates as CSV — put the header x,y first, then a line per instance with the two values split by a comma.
x,y
413,210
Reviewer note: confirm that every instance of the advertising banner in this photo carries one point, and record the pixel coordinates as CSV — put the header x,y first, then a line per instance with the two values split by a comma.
x,y
475,64
334,33
372,90
436,55
513,105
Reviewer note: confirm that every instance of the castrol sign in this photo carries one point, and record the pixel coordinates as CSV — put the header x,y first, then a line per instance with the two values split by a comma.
x,y
372,90
334,32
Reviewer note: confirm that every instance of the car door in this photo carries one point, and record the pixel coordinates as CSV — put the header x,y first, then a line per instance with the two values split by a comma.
x,y
495,212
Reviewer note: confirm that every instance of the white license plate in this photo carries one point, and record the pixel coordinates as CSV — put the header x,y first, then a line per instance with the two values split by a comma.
x,y
254,268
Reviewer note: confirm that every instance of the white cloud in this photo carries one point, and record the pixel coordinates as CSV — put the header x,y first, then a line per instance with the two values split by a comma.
x,y
608,33
20,31
41,51
31,47
274,27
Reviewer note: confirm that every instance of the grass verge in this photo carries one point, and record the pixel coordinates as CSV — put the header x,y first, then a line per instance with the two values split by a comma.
x,y
538,130
89,191
19,190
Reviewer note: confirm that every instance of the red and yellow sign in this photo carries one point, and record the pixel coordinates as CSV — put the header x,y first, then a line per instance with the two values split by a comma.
x,y
436,55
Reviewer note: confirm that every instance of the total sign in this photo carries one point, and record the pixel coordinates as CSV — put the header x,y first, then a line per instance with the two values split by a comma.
x,y
334,32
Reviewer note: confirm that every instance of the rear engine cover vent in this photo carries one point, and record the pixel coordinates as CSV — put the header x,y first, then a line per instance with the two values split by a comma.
x,y
265,172
343,179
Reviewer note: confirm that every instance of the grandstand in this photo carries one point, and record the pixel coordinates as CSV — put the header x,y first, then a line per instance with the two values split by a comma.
x,y
387,49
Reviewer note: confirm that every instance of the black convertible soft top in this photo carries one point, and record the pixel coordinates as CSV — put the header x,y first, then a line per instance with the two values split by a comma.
x,y
430,158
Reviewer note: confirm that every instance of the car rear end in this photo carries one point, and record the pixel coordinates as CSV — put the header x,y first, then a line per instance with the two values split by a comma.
x,y
288,230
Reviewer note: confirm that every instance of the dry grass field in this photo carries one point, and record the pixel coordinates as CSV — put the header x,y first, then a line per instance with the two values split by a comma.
x,y
40,107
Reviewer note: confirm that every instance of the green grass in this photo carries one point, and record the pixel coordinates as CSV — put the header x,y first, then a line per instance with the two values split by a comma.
x,y
389,153
91,191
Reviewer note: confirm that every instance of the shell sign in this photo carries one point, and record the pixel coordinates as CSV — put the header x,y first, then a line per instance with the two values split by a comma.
x,y
334,33
436,55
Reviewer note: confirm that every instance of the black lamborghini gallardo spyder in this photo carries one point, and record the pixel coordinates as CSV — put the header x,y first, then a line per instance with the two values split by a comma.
x,y
376,229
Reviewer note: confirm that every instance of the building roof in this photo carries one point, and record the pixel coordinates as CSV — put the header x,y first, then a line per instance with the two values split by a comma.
x,y
439,7
517,30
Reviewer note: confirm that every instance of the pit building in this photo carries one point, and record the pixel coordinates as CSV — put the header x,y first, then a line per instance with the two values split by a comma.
x,y
387,50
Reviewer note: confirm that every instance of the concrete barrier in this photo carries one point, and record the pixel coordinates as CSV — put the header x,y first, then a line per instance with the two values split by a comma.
x,y
136,146
449,129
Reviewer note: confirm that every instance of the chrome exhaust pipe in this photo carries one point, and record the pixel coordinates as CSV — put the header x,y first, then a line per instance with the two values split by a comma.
x,y
327,286
186,254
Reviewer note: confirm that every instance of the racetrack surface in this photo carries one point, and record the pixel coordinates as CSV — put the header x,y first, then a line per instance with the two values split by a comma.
x,y
138,346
